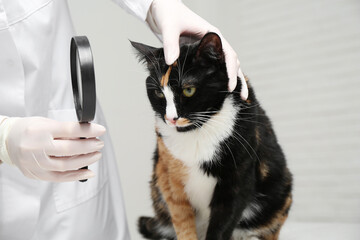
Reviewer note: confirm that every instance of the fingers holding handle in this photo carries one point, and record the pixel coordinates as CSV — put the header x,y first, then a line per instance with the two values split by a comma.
x,y
74,130
49,150
87,143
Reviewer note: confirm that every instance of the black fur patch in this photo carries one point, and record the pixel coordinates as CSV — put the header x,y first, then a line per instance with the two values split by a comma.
x,y
250,167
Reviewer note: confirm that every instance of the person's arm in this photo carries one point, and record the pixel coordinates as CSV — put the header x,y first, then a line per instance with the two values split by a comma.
x,y
170,19
49,150
137,8
2,118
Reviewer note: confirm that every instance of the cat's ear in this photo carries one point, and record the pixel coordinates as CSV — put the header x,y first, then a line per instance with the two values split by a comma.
x,y
147,54
210,48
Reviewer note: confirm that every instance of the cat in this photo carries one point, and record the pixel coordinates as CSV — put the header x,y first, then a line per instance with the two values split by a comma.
x,y
219,172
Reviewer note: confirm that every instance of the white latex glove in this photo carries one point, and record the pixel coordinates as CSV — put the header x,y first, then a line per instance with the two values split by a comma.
x,y
171,18
49,150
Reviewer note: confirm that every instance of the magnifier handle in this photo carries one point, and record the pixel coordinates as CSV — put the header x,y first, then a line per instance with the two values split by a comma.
x,y
86,167
84,97
84,180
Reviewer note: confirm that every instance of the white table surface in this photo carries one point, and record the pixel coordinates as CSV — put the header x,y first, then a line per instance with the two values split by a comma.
x,y
320,231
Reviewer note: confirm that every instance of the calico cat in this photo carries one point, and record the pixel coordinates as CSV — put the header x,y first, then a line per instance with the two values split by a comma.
x,y
219,172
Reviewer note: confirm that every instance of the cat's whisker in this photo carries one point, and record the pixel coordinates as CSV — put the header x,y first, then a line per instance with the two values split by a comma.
x,y
229,92
211,136
178,71
155,81
246,120
205,112
241,113
220,123
186,55
232,155
214,111
243,106
189,70
237,139
206,120
152,85
255,114
209,118
238,134
156,67
206,124
179,68
234,132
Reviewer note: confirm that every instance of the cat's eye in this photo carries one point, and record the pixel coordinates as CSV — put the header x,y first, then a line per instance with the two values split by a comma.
x,y
189,92
159,94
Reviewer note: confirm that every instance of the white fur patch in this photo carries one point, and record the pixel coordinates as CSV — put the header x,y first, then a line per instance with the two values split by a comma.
x,y
166,231
200,145
195,147
199,189
250,211
170,105
240,234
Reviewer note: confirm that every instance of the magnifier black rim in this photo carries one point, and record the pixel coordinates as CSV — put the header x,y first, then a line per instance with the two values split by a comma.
x,y
85,110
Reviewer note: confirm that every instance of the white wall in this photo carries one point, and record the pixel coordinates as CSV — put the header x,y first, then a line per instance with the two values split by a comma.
x,y
303,58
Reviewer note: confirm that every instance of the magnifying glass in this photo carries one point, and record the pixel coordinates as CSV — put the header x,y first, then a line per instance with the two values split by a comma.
x,y
83,80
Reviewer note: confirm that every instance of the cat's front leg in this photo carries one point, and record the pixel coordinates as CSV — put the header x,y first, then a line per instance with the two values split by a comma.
x,y
171,175
227,205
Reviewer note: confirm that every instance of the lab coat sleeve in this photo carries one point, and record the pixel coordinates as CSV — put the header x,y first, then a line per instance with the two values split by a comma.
x,y
4,128
2,118
138,8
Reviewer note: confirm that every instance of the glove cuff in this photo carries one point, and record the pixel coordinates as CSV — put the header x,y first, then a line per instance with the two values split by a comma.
x,y
152,25
151,22
5,127
138,8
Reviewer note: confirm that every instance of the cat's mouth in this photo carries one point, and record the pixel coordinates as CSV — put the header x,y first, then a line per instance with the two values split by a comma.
x,y
181,124
178,123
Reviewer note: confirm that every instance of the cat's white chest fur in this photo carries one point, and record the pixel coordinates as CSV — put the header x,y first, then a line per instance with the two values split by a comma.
x,y
198,146
199,189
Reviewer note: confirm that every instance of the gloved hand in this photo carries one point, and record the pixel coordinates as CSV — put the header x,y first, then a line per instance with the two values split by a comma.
x,y
171,18
49,150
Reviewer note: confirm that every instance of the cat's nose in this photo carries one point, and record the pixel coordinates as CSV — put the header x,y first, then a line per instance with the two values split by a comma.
x,y
172,120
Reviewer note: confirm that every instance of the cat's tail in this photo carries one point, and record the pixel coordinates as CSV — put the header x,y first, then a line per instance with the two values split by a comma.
x,y
151,228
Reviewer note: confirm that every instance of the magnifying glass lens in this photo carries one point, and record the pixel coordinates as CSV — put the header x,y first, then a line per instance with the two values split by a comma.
x,y
79,82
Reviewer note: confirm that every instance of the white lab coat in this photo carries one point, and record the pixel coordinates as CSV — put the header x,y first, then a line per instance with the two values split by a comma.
x,y
35,81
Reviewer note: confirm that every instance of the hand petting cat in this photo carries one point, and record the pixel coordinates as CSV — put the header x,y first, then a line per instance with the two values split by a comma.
x,y
171,18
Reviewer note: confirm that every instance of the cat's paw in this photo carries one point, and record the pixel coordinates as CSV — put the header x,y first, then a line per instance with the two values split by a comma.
x,y
150,228
146,227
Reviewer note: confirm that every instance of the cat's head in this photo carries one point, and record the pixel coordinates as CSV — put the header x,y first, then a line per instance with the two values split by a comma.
x,y
186,94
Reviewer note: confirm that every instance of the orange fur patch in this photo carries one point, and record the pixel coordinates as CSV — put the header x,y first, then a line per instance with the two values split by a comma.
x,y
264,169
171,174
165,78
257,135
182,121
272,230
